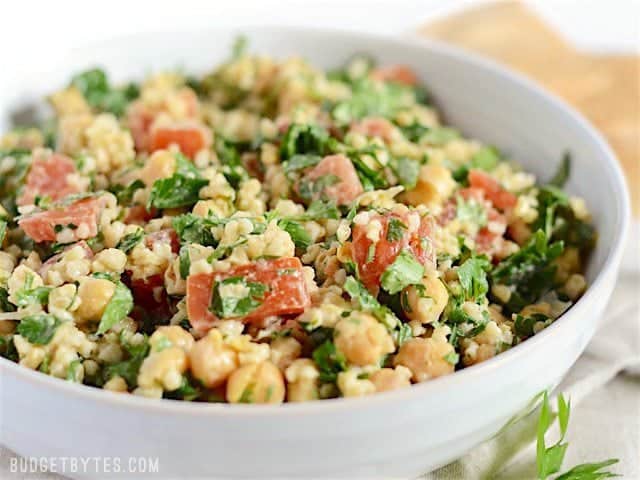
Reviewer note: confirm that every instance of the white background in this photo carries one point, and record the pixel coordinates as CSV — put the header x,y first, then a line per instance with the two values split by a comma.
x,y
41,29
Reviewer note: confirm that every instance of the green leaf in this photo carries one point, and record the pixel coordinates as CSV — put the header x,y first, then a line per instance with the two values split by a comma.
x,y
372,99
119,306
414,132
300,162
194,229
439,136
73,371
544,422
297,232
125,193
329,360
407,170
186,391
404,271
185,261
319,210
303,139
530,270
486,158
3,230
38,295
128,369
562,174
130,240
180,190
395,229
470,211
39,329
229,157
94,86
552,459
589,471
5,304
232,305
472,275
564,409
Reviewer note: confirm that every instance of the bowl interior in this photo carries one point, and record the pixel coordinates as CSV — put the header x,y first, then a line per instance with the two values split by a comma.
x,y
528,126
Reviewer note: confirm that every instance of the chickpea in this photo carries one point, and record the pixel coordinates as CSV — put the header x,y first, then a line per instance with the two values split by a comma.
x,y
567,263
520,231
94,294
116,384
171,336
435,183
302,380
575,286
211,360
256,383
161,164
542,307
362,339
387,379
425,304
284,351
425,357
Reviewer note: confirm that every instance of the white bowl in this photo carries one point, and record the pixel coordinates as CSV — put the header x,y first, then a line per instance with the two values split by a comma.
x,y
400,433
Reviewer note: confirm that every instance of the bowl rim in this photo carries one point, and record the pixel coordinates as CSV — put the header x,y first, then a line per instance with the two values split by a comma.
x,y
611,263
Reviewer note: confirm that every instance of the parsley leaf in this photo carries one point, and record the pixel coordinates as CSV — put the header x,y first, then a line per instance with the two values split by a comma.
x,y
130,240
329,360
562,174
128,369
235,297
39,329
407,170
530,270
404,271
303,139
119,306
297,232
472,275
181,189
185,261
94,86
395,229
194,229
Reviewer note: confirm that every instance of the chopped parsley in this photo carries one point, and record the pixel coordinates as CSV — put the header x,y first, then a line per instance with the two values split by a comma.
x,y
404,271
119,306
303,139
235,297
39,329
396,229
181,189
329,360
130,240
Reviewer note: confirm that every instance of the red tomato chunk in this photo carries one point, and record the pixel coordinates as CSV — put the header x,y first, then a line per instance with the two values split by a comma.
x,y
49,177
373,261
81,216
286,292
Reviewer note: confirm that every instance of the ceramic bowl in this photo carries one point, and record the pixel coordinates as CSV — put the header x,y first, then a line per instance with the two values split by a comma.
x,y
394,434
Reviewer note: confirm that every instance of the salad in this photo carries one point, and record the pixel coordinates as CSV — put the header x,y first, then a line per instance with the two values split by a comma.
x,y
272,232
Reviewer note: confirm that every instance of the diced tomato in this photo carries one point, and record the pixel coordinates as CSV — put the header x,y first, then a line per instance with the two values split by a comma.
x,y
347,186
191,138
139,120
49,177
166,235
140,117
493,191
138,214
490,238
372,264
396,73
88,253
375,127
82,215
286,291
